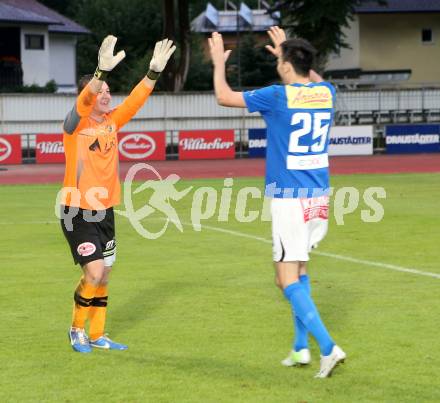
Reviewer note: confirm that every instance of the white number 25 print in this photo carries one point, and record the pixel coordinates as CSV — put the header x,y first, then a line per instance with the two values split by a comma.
x,y
310,123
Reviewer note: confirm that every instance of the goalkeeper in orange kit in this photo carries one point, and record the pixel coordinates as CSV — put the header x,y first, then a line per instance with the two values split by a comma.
x,y
91,187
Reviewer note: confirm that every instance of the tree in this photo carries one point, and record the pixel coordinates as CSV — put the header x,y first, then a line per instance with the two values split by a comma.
x,y
319,21
176,27
176,17
64,7
200,68
258,66
135,25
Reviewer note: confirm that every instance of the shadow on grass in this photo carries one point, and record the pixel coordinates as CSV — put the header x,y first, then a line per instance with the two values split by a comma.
x,y
143,304
219,369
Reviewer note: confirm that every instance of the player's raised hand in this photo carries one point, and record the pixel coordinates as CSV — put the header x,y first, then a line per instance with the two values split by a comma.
x,y
162,53
217,49
106,59
277,36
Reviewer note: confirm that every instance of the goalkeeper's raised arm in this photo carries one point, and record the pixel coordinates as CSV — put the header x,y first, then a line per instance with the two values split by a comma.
x,y
162,53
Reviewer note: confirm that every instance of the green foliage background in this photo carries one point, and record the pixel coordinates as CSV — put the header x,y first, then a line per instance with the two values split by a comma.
x,y
138,25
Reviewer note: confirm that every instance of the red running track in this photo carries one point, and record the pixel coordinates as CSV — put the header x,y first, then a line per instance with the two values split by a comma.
x,y
375,164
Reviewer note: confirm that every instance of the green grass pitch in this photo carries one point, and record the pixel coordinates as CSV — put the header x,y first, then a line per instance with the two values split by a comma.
x,y
202,317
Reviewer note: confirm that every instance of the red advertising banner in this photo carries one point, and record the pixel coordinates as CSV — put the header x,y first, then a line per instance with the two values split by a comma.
x,y
206,144
49,148
141,146
10,149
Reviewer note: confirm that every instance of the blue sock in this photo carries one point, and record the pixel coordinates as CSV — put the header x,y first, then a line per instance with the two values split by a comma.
x,y
305,281
304,307
301,334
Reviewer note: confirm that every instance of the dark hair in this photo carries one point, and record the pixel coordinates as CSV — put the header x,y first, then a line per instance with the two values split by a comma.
x,y
300,54
83,81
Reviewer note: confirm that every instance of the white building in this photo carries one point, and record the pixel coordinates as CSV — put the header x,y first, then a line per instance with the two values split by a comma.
x,y
37,45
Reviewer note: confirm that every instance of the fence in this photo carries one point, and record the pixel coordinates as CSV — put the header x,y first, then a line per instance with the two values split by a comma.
x,y
43,113
418,105
34,113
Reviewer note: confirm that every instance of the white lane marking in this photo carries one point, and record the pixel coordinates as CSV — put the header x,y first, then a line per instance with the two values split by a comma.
x,y
378,264
257,238
331,255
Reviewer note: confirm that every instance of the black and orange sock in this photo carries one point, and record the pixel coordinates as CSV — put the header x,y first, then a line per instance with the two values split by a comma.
x,y
97,312
83,297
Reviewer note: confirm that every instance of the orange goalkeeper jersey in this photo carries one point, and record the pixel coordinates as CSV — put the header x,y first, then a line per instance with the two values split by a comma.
x,y
91,179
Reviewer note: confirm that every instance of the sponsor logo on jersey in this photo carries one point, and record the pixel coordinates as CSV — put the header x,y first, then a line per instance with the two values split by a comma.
x,y
5,149
86,249
51,147
201,144
137,146
307,162
319,97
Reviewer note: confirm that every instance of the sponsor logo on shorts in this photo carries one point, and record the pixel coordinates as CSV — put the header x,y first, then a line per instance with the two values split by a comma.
x,y
316,207
137,146
110,244
5,149
86,249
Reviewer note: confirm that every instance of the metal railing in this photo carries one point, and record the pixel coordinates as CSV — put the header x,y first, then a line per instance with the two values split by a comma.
x,y
388,106
34,113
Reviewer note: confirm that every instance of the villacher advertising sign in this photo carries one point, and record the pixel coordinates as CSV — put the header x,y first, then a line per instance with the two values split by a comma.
x,y
142,146
206,144
49,148
10,149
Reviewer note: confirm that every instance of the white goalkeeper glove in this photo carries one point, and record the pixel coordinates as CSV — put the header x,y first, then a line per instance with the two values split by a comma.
x,y
106,60
162,52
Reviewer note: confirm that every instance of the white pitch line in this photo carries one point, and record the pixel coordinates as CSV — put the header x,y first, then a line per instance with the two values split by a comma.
x,y
260,239
378,264
231,232
331,255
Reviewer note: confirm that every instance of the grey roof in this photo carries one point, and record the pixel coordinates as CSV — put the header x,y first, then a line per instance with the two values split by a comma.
x,y
399,6
226,20
32,12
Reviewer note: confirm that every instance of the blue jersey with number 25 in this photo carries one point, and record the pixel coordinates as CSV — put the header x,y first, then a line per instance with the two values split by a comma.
x,y
298,119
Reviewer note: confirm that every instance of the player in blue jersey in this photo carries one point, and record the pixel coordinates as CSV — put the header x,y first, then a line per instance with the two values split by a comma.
x,y
298,115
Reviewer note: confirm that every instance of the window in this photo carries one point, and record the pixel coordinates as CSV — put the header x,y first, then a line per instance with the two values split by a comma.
x,y
34,41
427,35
